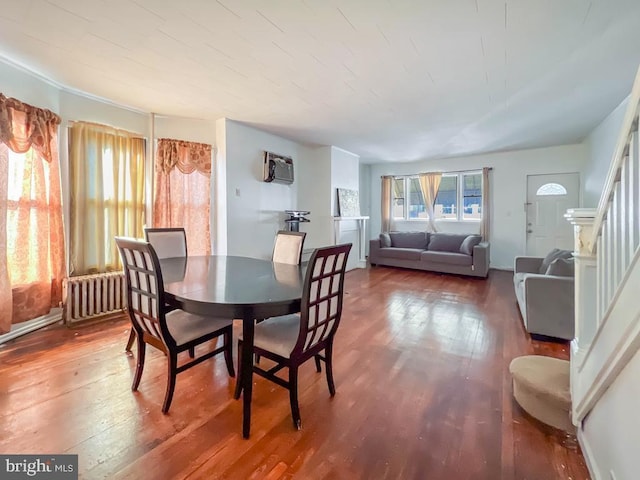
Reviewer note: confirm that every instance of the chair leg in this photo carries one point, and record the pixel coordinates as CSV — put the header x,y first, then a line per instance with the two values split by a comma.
x,y
132,338
293,397
238,390
228,351
142,348
318,367
192,352
172,363
328,355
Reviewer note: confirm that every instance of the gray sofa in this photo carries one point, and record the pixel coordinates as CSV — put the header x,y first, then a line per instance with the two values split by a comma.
x,y
437,252
544,289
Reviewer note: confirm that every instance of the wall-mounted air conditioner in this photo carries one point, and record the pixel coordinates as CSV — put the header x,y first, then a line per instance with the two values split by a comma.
x,y
278,168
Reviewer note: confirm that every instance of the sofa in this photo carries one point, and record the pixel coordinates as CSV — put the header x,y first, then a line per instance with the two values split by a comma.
x,y
544,290
438,252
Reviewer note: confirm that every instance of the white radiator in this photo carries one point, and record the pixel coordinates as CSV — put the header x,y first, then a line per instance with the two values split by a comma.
x,y
90,296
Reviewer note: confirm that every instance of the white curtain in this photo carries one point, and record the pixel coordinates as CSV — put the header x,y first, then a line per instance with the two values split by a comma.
x,y
429,184
486,212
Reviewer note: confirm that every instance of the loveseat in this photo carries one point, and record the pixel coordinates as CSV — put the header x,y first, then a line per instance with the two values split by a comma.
x,y
544,289
438,252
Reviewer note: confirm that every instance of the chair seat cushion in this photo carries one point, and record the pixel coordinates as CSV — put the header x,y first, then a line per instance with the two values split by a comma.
x,y
185,327
277,334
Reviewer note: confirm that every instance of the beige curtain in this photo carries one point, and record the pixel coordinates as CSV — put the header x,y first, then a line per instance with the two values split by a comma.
x,y
429,184
31,233
106,170
385,224
182,191
486,210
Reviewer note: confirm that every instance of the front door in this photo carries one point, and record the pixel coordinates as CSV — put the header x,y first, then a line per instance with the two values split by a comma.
x,y
548,198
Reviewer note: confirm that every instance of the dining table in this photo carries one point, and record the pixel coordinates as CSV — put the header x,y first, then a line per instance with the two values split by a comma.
x,y
235,287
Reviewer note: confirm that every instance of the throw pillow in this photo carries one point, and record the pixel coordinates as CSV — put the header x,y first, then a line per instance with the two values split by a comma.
x,y
446,242
561,267
385,240
551,256
468,244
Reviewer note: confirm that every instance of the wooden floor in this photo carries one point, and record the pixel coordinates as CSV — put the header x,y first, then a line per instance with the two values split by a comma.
x,y
423,392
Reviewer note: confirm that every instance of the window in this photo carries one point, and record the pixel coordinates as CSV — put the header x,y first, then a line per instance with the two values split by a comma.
x,y
106,170
446,205
472,196
417,208
551,189
455,190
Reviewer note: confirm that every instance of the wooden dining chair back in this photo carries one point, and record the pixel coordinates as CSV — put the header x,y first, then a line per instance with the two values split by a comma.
x,y
171,331
288,247
167,243
291,340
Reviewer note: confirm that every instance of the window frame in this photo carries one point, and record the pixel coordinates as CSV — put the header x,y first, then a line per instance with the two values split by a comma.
x,y
459,197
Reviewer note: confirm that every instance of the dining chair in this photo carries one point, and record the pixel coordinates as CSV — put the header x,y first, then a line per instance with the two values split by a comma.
x,y
288,247
291,340
170,331
168,243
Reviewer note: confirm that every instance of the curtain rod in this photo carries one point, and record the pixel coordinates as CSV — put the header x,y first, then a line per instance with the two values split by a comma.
x,y
444,172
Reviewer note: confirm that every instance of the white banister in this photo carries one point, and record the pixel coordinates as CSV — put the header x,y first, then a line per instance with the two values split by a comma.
x,y
607,254
629,124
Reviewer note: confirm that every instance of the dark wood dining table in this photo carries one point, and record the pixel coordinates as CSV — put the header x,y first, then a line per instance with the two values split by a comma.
x,y
234,287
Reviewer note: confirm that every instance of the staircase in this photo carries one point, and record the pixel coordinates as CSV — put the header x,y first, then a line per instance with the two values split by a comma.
x,y
605,355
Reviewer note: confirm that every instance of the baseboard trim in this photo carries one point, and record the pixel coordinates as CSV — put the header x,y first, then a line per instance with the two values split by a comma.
x,y
32,325
587,453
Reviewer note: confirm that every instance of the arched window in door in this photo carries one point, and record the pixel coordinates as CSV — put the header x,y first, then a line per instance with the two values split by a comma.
x,y
551,189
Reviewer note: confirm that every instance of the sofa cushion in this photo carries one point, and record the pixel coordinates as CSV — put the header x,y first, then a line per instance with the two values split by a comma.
x,y
451,258
385,240
409,239
446,242
401,253
551,256
468,244
561,267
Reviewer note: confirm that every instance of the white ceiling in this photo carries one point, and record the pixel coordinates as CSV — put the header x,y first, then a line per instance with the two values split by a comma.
x,y
393,80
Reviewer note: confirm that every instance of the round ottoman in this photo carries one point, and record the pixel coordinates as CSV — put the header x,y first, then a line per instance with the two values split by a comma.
x,y
541,388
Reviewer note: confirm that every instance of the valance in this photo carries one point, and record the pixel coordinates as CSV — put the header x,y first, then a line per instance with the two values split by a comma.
x,y
186,156
23,126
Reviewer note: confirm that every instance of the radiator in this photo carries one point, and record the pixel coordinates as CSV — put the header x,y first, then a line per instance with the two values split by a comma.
x,y
91,296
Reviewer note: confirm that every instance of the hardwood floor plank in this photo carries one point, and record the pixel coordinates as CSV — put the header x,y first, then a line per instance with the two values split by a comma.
x,y
423,391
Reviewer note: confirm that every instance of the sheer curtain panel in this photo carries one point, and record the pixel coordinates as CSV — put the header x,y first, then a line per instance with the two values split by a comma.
x,y
486,207
31,233
106,170
385,224
429,184
182,190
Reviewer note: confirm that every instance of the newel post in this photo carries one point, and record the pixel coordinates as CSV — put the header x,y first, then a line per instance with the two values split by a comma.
x,y
586,316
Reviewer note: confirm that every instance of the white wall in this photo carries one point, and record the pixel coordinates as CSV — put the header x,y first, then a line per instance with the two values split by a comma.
x,y
345,173
600,144
314,195
365,199
508,187
27,88
255,209
612,430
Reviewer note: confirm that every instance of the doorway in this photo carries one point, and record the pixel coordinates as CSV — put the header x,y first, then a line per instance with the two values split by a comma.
x,y
548,198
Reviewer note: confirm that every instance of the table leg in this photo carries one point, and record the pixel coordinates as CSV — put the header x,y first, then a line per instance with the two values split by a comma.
x,y
247,373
